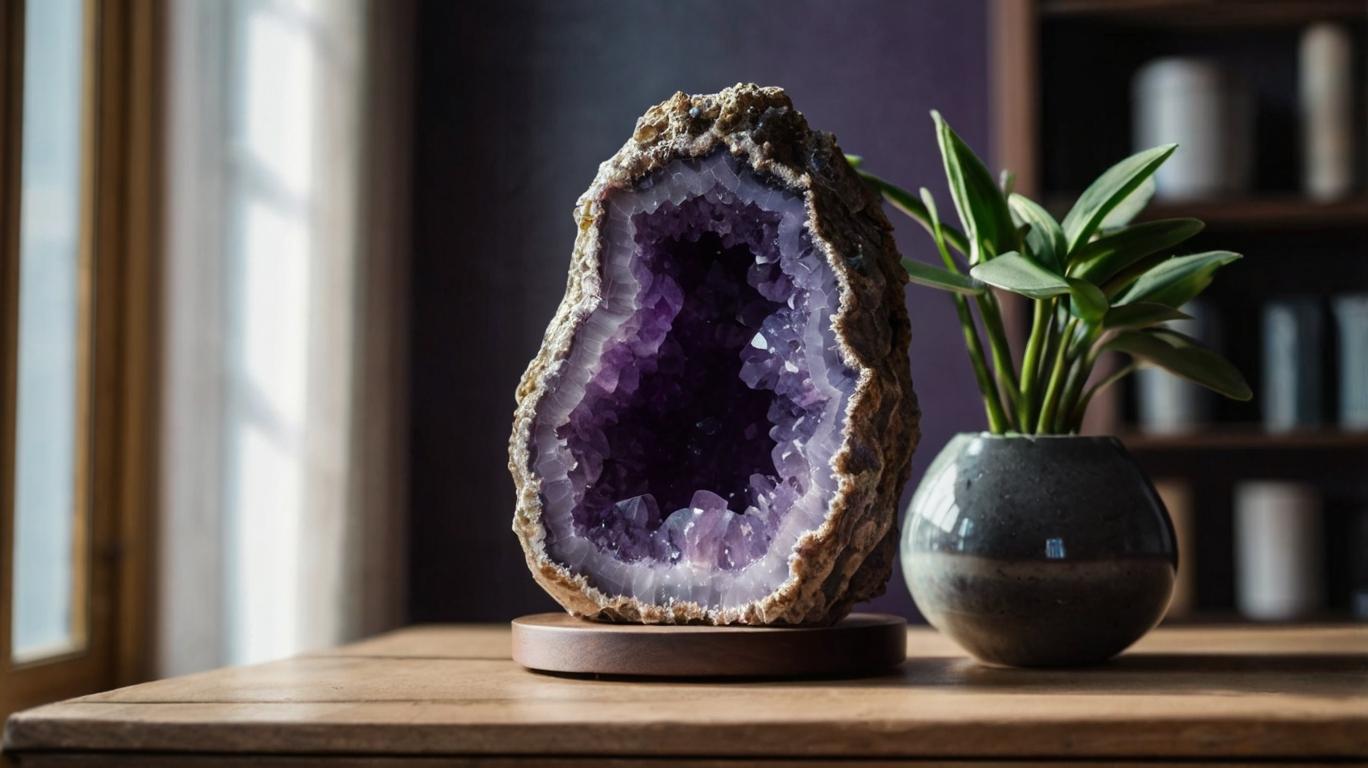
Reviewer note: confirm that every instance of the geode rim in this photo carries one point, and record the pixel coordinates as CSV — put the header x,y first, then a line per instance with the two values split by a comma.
x,y
848,556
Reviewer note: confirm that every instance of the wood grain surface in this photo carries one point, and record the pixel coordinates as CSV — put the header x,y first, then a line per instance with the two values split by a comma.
x,y
1230,693
860,645
154,760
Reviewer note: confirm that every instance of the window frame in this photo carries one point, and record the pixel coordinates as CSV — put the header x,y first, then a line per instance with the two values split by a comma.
x,y
117,364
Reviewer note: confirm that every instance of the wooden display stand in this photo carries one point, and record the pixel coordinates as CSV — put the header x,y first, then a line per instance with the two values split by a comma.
x,y
861,644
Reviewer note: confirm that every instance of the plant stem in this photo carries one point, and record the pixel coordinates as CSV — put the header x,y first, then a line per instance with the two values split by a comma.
x,y
997,419
1073,382
1030,361
1052,391
1079,372
1047,353
1002,354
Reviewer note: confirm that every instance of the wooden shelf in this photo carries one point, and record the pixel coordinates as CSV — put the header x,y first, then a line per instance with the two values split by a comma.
x,y
1322,457
1197,13
1248,440
1268,213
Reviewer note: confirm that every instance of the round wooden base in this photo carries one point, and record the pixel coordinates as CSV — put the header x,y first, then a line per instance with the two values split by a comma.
x,y
860,644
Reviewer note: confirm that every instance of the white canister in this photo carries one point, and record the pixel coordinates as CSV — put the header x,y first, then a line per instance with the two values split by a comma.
x,y
1166,404
1209,112
1278,550
1326,96
1351,317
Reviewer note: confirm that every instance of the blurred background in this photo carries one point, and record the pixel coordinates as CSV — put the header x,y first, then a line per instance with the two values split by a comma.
x,y
271,270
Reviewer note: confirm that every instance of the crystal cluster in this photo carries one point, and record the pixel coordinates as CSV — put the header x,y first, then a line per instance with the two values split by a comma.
x,y
682,440
704,397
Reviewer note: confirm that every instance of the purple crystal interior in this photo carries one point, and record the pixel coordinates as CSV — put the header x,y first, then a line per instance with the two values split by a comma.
x,y
685,444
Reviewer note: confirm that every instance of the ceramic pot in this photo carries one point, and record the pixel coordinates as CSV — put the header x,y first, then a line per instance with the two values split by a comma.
x,y
1039,551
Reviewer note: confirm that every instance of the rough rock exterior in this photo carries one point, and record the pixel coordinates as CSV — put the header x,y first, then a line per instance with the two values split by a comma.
x,y
721,417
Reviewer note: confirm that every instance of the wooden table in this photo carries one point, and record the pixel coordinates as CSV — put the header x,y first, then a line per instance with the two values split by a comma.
x,y
450,696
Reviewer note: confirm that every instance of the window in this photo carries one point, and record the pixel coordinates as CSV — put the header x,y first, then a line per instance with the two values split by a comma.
x,y
75,160
51,391
217,360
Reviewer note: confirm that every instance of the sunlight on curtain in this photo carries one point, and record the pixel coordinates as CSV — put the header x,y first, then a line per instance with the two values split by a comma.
x,y
262,260
270,167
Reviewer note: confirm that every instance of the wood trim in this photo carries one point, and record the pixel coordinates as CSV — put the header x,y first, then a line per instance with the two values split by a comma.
x,y
1015,91
84,570
1014,94
140,253
99,286
11,152
127,241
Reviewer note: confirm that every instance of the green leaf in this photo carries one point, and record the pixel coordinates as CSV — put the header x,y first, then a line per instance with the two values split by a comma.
x,y
1175,338
1046,237
1131,206
1182,356
1006,182
908,203
937,229
1088,301
980,203
1114,252
854,160
1140,315
1109,191
943,279
1013,272
1174,282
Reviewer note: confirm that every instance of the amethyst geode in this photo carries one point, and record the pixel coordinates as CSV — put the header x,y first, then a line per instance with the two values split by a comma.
x,y
720,419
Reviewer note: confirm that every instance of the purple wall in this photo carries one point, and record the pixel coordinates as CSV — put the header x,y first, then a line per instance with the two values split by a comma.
x,y
518,102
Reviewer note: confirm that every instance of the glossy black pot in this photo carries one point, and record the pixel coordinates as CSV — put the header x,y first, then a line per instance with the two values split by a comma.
x,y
1039,551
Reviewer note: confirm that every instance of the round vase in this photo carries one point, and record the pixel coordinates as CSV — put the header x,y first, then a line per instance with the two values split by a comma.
x,y
1036,551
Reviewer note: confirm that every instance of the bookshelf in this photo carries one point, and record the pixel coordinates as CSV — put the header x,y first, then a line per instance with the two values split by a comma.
x,y
1061,96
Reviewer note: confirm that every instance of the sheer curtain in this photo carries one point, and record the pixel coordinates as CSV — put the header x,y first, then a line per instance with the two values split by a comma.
x,y
282,508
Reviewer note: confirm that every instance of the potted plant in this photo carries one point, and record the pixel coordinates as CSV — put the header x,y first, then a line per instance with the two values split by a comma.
x,y
1029,544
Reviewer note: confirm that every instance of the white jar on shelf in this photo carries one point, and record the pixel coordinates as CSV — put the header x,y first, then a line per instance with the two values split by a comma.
x,y
1166,404
1208,111
1278,550
1326,96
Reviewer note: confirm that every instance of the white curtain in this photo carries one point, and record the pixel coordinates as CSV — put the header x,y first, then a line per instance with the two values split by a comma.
x,y
282,520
